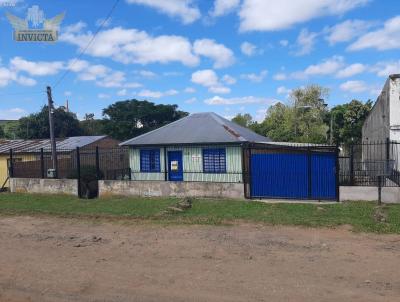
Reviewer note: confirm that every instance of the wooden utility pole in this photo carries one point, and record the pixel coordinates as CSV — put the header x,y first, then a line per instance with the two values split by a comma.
x,y
51,123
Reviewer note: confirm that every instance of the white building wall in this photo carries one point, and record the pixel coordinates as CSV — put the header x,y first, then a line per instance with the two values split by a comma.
x,y
384,119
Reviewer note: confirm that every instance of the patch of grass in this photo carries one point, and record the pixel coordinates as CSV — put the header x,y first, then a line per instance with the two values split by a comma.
x,y
360,215
70,205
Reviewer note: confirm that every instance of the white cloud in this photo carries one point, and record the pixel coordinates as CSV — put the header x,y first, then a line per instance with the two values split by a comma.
x,y
134,46
273,15
261,114
354,86
67,93
224,7
146,73
112,80
305,42
217,100
208,78
219,89
280,76
131,46
36,68
132,85
229,80
184,9
222,56
384,69
6,76
25,81
248,49
385,38
146,93
12,114
351,70
346,31
326,67
253,77
283,90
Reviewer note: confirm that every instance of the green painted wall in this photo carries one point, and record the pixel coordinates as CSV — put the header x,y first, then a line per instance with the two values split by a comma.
x,y
192,164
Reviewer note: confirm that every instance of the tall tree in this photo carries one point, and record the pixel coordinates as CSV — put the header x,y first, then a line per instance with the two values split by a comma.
x,y
245,120
2,133
36,125
348,120
130,118
91,126
302,120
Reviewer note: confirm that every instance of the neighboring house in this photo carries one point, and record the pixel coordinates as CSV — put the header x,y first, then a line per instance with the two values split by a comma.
x,y
199,147
384,120
29,150
382,124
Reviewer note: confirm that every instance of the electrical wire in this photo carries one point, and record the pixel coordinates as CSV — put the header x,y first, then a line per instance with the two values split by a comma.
x,y
87,46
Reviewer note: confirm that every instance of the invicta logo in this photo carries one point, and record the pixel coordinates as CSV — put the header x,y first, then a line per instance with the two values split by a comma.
x,y
36,19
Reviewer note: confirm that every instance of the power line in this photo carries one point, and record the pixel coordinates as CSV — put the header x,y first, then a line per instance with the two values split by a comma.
x,y
87,46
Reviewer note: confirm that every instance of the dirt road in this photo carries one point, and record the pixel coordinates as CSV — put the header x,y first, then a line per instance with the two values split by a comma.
x,y
55,259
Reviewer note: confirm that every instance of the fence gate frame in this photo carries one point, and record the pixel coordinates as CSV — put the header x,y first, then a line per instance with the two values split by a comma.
x,y
307,150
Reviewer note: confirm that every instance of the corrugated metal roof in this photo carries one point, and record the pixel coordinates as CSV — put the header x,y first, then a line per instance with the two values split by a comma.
x,y
198,128
67,144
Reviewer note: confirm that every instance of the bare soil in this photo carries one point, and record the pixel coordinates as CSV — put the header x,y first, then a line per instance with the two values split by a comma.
x,y
60,259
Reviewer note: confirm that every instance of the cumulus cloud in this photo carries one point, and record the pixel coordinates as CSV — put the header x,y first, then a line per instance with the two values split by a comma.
x,y
386,68
131,46
146,93
224,7
248,49
134,46
354,86
36,68
326,67
351,70
217,100
346,31
305,42
222,56
183,9
229,80
385,38
261,15
283,90
209,79
253,77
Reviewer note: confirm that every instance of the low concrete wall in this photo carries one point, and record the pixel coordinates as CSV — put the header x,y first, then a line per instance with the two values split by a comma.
x,y
171,188
353,193
50,186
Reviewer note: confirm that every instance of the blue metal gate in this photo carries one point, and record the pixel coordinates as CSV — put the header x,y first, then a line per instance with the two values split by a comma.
x,y
299,175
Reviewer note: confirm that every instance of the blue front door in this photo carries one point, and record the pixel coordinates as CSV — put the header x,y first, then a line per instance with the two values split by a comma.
x,y
175,167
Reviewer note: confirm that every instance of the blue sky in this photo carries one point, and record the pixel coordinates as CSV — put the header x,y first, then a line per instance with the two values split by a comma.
x,y
226,56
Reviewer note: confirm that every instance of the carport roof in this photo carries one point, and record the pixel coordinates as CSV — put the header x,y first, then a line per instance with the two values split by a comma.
x,y
197,128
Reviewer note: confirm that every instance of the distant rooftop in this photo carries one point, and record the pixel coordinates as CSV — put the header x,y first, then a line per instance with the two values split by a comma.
x,y
31,145
197,128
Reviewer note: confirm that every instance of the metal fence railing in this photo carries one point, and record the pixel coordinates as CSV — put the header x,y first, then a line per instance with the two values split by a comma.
x,y
370,164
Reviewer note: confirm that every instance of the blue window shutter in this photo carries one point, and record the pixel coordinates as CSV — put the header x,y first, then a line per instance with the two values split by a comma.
x,y
214,160
150,160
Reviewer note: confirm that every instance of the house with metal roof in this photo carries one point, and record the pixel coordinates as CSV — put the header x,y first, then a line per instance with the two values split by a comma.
x,y
199,147
29,150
